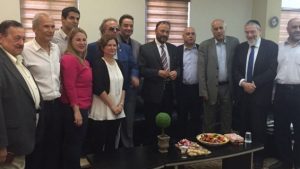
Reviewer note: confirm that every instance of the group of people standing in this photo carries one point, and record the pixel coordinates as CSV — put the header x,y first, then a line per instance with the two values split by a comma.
x,y
58,93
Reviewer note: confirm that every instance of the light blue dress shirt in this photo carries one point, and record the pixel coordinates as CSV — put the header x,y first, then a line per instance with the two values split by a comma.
x,y
190,66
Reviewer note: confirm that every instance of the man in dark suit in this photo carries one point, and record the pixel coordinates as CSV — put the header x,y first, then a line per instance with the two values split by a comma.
x,y
187,90
215,78
19,99
159,66
255,70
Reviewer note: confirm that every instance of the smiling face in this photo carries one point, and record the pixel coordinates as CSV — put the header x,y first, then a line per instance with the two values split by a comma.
x,y
252,32
126,27
110,48
13,40
79,42
293,30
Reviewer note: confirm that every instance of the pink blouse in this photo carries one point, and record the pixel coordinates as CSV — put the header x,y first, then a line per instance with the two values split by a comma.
x,y
76,81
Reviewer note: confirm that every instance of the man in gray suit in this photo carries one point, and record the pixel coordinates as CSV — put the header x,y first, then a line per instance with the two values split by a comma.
x,y
124,36
19,99
215,77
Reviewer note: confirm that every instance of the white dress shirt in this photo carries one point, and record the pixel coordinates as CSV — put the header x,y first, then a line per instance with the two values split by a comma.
x,y
17,61
288,70
44,67
256,48
61,39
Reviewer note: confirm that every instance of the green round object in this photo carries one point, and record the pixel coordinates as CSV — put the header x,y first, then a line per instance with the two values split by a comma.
x,y
163,120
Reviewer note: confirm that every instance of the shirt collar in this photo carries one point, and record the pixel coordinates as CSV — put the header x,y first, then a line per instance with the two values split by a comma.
x,y
217,42
124,41
158,43
37,46
193,47
11,57
287,43
62,34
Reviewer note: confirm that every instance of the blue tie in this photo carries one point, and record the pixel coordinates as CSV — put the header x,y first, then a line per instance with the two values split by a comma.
x,y
250,65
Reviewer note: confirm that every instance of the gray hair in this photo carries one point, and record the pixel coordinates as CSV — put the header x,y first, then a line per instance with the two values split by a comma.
x,y
102,26
37,17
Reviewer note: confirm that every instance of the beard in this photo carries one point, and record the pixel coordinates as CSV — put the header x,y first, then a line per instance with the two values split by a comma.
x,y
252,42
162,39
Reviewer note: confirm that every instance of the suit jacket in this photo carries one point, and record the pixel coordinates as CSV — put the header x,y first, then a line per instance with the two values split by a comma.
x,y
149,64
17,110
135,46
263,74
208,67
125,57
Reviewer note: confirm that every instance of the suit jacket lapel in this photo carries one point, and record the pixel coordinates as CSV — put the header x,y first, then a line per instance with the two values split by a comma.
x,y
156,53
14,71
180,50
259,57
213,52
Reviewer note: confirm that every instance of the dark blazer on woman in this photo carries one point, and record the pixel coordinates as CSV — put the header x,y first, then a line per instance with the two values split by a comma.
x,y
101,80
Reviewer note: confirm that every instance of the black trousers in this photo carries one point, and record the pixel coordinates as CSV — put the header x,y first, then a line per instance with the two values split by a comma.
x,y
152,108
287,111
73,137
102,135
253,118
190,110
48,148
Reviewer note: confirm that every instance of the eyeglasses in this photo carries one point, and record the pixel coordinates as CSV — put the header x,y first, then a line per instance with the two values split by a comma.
x,y
114,29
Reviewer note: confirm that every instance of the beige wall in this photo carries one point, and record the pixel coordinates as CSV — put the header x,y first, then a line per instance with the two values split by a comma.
x,y
94,11
11,10
234,12
263,10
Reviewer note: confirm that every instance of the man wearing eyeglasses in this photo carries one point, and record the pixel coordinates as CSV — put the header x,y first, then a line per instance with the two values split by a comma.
x,y
109,26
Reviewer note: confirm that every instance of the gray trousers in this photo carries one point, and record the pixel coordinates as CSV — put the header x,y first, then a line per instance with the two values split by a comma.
x,y
222,109
125,133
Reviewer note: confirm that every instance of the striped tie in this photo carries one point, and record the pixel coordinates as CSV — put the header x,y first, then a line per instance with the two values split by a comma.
x,y
163,58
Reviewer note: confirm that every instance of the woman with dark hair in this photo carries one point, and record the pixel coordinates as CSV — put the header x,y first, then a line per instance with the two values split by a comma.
x,y
76,76
108,97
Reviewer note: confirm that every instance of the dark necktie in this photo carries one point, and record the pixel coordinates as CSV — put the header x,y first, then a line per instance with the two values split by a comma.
x,y
163,58
250,65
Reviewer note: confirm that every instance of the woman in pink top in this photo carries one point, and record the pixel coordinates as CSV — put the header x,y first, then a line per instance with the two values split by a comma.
x,y
76,77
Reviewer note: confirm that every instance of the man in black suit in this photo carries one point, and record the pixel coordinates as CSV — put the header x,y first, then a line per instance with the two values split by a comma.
x,y
255,70
19,99
187,88
159,67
